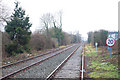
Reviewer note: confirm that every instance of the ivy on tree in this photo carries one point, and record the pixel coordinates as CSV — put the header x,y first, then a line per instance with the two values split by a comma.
x,y
18,29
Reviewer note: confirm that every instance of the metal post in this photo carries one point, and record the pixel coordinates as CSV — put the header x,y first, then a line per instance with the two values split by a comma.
x,y
96,46
96,49
82,65
110,52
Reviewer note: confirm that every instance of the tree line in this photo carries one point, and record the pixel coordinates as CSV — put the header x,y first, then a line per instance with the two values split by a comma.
x,y
18,37
98,36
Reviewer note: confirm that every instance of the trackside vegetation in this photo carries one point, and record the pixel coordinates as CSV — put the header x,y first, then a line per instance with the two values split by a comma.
x,y
101,65
18,29
18,38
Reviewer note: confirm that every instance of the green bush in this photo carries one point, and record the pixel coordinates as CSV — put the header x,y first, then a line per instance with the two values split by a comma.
x,y
27,49
10,48
13,49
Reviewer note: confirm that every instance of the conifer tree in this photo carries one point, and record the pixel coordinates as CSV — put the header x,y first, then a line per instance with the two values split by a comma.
x,y
18,29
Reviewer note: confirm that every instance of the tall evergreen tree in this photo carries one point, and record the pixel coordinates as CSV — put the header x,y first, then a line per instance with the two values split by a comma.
x,y
18,29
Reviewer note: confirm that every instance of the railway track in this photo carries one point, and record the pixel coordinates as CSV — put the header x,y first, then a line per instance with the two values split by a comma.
x,y
9,70
82,65
20,61
57,70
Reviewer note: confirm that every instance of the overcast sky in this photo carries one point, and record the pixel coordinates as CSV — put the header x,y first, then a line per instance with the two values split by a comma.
x,y
78,15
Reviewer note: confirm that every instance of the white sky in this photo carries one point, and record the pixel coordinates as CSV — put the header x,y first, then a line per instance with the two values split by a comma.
x,y
78,15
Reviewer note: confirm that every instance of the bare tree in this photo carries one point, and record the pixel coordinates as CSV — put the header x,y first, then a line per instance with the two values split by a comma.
x,y
67,38
46,21
49,20
60,19
57,23
4,14
37,41
78,37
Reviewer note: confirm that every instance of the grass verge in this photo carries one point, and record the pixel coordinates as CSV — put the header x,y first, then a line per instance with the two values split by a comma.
x,y
100,64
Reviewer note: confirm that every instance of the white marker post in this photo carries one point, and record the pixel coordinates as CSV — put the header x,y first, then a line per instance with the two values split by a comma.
x,y
110,41
96,46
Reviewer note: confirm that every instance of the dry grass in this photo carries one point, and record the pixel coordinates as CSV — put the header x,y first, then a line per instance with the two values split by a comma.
x,y
12,59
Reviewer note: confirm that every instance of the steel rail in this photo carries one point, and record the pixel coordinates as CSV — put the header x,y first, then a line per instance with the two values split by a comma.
x,y
82,65
27,67
52,74
30,58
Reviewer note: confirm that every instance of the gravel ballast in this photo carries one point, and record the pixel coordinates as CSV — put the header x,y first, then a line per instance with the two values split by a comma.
x,y
42,70
13,68
72,67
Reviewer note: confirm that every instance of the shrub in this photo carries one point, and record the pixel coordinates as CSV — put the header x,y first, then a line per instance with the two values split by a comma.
x,y
37,41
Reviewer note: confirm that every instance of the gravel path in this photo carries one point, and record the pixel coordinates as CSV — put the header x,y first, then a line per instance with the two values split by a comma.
x,y
13,68
42,70
72,68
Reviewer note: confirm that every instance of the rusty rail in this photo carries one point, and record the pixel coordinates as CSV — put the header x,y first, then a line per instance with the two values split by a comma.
x,y
51,76
27,67
30,58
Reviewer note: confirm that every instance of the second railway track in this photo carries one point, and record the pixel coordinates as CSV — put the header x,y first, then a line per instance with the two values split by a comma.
x,y
11,71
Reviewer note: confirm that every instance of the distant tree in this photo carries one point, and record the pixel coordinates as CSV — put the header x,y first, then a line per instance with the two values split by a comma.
x,y
58,34
60,29
37,41
104,35
75,38
49,21
57,24
5,41
90,35
46,21
98,36
78,36
67,39
18,29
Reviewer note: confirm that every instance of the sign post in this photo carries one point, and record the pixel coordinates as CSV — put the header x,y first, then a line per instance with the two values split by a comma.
x,y
96,46
110,41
